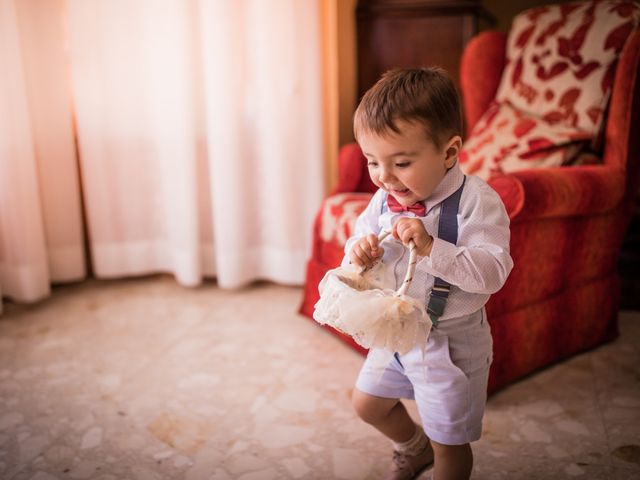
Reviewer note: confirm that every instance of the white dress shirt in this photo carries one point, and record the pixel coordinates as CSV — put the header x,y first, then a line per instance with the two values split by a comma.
x,y
476,267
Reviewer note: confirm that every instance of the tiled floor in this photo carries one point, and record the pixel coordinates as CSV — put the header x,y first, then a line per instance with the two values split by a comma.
x,y
143,379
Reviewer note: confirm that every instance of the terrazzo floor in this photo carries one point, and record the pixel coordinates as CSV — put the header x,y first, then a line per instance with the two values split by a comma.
x,y
146,380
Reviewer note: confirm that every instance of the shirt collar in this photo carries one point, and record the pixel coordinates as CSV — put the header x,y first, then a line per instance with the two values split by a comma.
x,y
448,185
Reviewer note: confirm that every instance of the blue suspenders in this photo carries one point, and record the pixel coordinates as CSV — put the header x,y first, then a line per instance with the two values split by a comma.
x,y
448,231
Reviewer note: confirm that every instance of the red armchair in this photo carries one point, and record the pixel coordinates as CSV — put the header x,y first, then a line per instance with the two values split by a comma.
x,y
567,226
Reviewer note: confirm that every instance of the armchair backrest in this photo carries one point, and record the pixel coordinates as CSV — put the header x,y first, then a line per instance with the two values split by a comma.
x,y
622,139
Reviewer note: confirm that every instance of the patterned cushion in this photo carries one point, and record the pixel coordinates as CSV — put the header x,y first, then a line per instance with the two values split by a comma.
x,y
506,139
561,60
551,101
338,215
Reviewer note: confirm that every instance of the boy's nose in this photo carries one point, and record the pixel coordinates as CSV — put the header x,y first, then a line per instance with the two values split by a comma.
x,y
385,175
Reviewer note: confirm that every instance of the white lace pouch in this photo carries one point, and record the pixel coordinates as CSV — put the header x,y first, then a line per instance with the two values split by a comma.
x,y
357,304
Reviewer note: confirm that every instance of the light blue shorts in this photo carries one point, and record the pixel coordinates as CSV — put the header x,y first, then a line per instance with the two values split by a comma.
x,y
449,384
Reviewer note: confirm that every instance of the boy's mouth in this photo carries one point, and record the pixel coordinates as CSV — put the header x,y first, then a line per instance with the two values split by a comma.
x,y
400,193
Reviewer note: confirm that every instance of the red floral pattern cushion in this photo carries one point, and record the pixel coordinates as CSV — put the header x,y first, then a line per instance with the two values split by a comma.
x,y
561,60
338,216
506,140
553,93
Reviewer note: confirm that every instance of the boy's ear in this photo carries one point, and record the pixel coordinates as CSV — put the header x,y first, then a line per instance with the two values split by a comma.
x,y
452,150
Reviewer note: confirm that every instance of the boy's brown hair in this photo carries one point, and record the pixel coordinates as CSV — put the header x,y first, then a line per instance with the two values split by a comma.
x,y
426,95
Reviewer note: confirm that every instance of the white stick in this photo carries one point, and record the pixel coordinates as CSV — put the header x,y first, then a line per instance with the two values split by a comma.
x,y
413,259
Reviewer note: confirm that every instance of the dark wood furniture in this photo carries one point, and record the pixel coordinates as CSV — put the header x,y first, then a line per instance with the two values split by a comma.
x,y
629,265
413,33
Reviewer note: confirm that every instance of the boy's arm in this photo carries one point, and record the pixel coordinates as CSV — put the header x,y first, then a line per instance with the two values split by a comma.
x,y
481,262
366,223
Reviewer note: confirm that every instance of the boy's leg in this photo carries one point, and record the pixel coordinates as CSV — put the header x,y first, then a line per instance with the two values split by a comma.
x,y
412,451
452,462
388,415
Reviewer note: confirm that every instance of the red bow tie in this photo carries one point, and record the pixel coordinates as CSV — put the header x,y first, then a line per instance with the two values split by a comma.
x,y
418,208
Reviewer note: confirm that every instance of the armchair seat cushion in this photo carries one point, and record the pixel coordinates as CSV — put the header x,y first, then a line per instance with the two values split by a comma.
x,y
560,192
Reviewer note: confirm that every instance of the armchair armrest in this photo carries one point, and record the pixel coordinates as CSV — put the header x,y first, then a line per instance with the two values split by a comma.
x,y
353,175
481,67
560,192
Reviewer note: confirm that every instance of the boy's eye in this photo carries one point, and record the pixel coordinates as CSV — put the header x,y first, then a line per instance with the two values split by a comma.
x,y
403,164
372,164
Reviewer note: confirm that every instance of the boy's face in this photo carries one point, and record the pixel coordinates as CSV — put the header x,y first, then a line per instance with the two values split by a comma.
x,y
408,165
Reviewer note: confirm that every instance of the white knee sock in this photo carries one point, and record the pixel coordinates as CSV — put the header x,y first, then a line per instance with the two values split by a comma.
x,y
415,445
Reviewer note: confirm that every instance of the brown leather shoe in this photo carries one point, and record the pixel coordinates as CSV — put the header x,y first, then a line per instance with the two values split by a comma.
x,y
407,467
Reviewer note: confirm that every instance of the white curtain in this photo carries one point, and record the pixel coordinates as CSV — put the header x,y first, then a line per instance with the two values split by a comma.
x,y
199,140
41,237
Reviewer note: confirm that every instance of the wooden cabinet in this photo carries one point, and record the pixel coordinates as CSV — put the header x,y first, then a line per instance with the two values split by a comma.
x,y
406,33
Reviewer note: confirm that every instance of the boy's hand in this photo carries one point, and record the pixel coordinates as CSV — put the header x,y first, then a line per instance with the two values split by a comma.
x,y
406,229
366,252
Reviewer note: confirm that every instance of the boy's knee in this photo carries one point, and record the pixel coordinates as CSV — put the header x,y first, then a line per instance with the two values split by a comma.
x,y
442,450
452,461
371,409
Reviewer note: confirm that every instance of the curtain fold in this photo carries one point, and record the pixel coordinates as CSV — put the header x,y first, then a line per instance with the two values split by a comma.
x,y
199,135
263,106
133,83
40,212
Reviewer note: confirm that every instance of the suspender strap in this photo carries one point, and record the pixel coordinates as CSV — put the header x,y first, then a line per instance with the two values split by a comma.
x,y
448,231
